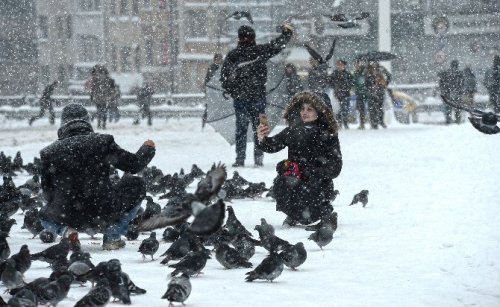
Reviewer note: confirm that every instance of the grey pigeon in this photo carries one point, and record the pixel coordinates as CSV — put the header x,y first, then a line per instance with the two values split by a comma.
x,y
294,256
170,234
178,289
31,222
118,287
149,246
22,259
51,253
269,241
192,263
23,298
329,220
269,269
182,246
56,290
131,287
267,228
99,295
230,258
7,224
244,245
11,278
361,197
4,246
152,208
241,14
322,236
233,225
47,236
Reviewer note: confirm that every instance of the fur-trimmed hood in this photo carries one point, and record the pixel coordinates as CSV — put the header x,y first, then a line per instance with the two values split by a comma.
x,y
326,117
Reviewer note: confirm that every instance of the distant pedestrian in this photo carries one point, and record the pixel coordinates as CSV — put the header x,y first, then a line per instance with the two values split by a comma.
x,y
360,90
317,79
492,83
376,81
341,82
113,109
144,99
46,103
451,86
293,83
470,87
213,68
101,93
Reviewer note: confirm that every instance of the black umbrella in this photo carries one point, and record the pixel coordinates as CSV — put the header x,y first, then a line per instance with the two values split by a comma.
x,y
376,56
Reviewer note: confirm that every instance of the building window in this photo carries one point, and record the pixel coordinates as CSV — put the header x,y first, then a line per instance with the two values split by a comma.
x,y
148,46
126,64
114,59
196,23
90,48
123,7
43,26
135,7
69,27
147,4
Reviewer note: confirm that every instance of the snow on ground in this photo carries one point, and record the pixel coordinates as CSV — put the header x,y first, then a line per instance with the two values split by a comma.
x,y
428,236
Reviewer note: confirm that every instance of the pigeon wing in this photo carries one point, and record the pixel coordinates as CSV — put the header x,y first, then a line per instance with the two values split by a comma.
x,y
314,54
170,215
331,51
210,219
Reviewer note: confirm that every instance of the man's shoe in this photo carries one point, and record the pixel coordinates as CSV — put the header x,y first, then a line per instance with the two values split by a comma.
x,y
113,245
238,164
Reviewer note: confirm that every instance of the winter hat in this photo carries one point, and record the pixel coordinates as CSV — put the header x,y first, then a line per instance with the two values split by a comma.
x,y
74,112
246,33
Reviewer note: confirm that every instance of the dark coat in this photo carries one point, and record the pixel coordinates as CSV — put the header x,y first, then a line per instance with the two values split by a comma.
x,y
75,176
251,77
102,90
317,79
451,84
342,82
46,99
470,83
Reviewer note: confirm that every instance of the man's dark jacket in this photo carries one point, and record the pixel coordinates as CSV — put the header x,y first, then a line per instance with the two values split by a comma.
x,y
75,176
251,78
342,82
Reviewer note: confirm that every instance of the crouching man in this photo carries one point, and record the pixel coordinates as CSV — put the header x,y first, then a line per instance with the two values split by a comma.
x,y
76,184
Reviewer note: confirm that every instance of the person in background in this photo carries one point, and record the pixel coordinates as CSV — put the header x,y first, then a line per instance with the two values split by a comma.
x,y
212,69
470,87
75,180
102,92
341,82
46,103
293,84
492,84
451,86
114,112
362,95
144,99
304,185
244,77
317,77
376,80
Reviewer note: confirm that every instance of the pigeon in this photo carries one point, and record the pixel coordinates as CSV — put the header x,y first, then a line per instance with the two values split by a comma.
x,y
245,245
360,197
348,22
32,223
118,287
315,55
294,256
238,179
23,298
149,246
269,241
182,246
17,163
80,270
241,14
269,269
6,225
255,190
207,218
322,236
99,295
11,278
4,246
230,258
233,225
329,220
47,236
131,287
56,290
178,289
269,229
51,253
132,232
22,259
152,208
192,263
170,234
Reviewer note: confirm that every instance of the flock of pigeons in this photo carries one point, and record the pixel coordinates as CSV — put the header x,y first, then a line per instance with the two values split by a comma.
x,y
195,225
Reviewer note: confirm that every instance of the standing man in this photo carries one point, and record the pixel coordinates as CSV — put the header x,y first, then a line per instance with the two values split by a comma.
x,y
361,91
377,79
317,77
470,87
243,77
144,99
102,93
341,81
212,69
492,83
46,103
451,83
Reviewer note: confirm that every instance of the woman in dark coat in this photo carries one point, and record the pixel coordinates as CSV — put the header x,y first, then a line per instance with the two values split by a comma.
x,y
304,186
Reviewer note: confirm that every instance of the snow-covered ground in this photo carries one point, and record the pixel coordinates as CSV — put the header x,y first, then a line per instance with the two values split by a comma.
x,y
428,236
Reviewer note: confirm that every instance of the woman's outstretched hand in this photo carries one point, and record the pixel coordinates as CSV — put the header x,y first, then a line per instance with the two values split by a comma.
x,y
262,132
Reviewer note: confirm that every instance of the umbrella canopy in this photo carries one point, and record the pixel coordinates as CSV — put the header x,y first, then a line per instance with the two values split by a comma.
x,y
376,56
220,111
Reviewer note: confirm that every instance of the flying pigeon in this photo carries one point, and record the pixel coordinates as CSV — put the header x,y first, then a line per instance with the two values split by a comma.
x,y
315,55
241,14
486,122
346,22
